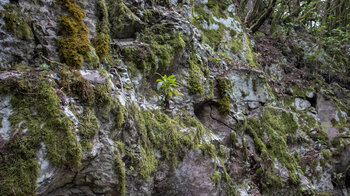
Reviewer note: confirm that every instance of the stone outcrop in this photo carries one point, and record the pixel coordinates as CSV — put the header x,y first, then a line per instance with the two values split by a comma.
x,y
93,123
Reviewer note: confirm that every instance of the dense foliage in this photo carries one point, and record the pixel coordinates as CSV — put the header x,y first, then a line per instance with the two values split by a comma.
x,y
325,22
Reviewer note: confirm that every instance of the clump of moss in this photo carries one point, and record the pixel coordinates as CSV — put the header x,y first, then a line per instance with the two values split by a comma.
x,y
216,177
194,79
83,89
102,41
122,20
148,164
15,21
219,7
212,37
250,57
142,57
36,120
120,171
119,119
236,45
87,128
164,44
158,131
224,86
103,98
178,43
209,149
74,41
223,152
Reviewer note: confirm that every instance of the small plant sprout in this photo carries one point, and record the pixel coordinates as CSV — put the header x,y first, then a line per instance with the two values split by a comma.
x,y
167,86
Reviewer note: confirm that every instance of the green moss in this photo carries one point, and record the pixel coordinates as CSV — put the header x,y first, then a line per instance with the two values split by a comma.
x,y
195,77
224,86
36,109
142,57
224,105
327,154
209,149
120,18
339,144
223,152
120,171
236,45
102,95
15,22
74,41
249,55
219,7
228,186
163,44
148,164
276,124
119,119
178,43
216,177
102,41
120,147
270,181
92,59
212,37
82,88
65,75
158,131
87,127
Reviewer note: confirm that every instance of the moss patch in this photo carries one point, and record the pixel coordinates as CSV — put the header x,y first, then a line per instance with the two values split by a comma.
x,y
102,41
15,22
74,41
276,125
37,119
87,127
120,171
224,86
159,132
164,44
195,77
158,53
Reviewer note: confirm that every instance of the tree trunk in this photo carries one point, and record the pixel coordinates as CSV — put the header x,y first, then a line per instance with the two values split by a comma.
x,y
255,27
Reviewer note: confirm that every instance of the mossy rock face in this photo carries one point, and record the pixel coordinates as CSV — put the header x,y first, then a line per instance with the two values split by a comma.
x,y
141,56
36,120
158,54
123,22
15,22
276,125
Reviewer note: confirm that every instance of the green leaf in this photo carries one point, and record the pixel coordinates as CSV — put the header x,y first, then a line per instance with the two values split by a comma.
x,y
176,93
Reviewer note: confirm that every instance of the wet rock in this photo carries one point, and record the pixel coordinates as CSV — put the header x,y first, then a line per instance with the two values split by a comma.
x,y
253,105
93,76
302,104
192,176
5,113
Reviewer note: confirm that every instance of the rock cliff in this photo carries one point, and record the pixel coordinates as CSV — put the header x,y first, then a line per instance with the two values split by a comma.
x,y
80,112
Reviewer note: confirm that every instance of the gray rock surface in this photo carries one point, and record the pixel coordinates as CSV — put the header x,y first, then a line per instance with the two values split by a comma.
x,y
228,157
